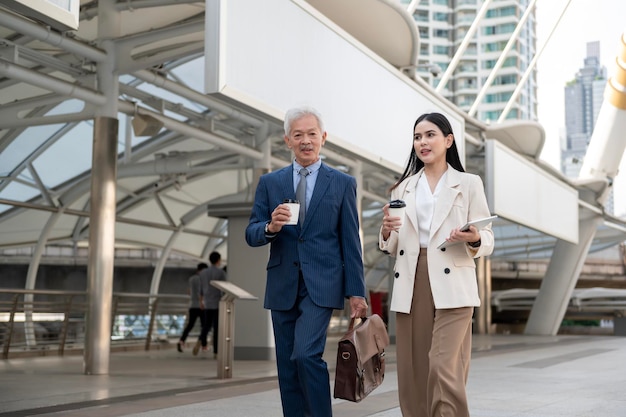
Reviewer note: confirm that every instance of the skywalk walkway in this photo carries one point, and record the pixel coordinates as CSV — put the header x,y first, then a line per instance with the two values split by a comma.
x,y
511,376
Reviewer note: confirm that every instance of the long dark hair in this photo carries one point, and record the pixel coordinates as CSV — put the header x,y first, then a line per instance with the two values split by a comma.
x,y
452,154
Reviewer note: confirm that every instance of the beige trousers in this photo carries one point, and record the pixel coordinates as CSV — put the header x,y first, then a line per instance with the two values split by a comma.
x,y
433,349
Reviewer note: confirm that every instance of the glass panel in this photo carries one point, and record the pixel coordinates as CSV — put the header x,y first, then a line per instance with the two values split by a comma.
x,y
440,49
421,16
68,157
23,146
440,17
18,192
68,106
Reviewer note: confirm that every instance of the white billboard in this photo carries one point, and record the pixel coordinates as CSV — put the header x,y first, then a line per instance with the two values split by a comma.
x,y
59,14
523,193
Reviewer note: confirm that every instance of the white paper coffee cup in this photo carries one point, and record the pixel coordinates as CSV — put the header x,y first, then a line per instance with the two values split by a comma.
x,y
397,212
397,208
294,208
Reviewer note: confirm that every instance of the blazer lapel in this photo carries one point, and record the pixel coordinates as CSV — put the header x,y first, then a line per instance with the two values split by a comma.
x,y
446,198
286,181
321,185
408,195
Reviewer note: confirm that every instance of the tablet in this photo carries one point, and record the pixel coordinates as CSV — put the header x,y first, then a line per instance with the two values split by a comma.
x,y
478,223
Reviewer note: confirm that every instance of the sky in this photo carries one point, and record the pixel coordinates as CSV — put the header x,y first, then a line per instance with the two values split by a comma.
x,y
584,21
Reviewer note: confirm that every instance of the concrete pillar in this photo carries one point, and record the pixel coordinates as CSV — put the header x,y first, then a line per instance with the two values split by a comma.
x,y
619,326
560,280
254,337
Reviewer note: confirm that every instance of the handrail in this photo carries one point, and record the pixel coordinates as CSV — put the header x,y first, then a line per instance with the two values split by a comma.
x,y
601,301
71,307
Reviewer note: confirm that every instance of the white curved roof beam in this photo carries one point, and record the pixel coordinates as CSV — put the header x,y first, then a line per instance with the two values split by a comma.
x,y
83,213
523,136
40,185
28,112
50,83
146,57
193,95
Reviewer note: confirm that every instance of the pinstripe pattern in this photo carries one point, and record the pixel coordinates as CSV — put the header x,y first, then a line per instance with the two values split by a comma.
x,y
303,374
312,268
327,247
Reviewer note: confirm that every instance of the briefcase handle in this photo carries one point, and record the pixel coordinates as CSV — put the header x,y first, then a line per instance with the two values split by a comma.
x,y
351,326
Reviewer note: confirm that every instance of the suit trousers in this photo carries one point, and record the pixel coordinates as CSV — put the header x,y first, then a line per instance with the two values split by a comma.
x,y
194,314
211,321
300,336
433,348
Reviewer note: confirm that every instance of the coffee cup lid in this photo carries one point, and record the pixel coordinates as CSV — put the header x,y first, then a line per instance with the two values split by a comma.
x,y
397,203
290,201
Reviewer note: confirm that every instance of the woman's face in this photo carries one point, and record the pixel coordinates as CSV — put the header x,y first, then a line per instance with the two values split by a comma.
x,y
430,144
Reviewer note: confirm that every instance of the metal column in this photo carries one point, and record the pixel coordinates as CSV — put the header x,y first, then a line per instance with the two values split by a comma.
x,y
482,315
101,247
103,202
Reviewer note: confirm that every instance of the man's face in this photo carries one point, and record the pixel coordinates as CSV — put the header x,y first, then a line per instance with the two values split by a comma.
x,y
306,140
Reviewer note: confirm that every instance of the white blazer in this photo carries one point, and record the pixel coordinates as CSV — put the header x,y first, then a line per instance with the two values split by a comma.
x,y
452,270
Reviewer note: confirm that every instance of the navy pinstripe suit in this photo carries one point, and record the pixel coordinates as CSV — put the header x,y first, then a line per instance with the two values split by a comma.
x,y
310,272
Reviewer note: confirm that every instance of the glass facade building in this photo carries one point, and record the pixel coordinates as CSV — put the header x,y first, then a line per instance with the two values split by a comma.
x,y
443,25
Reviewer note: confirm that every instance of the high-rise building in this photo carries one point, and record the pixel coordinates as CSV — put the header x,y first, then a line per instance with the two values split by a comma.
x,y
583,98
442,26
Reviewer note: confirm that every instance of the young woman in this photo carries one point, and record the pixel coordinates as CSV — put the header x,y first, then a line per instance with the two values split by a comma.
x,y
435,290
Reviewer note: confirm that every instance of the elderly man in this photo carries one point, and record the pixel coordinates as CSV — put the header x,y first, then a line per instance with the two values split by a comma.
x,y
314,265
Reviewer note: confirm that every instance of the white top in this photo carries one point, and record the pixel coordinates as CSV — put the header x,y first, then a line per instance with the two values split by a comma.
x,y
425,205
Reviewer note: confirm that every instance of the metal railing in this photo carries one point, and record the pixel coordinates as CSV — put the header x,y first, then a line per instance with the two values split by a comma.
x,y
594,302
42,320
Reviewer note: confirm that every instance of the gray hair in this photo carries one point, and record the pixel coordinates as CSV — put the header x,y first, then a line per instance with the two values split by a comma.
x,y
296,113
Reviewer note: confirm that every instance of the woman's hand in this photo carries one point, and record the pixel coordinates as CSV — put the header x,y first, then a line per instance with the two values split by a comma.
x,y
470,235
389,223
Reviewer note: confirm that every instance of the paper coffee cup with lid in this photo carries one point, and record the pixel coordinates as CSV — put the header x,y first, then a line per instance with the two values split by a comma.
x,y
294,208
397,208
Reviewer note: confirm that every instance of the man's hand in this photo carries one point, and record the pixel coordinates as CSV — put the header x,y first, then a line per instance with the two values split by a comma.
x,y
280,217
358,307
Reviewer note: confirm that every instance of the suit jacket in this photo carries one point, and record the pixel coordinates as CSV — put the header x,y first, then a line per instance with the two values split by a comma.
x,y
327,248
452,271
